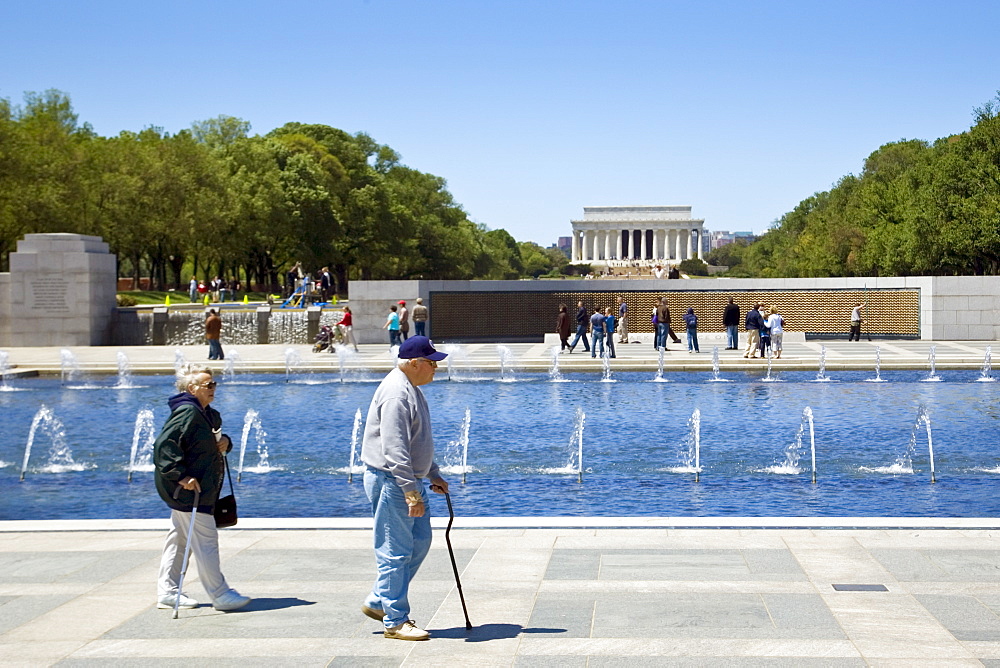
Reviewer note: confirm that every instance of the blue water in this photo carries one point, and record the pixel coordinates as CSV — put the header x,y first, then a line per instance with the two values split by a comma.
x,y
634,432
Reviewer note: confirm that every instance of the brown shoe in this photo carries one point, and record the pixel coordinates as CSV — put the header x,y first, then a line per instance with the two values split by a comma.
x,y
407,631
377,615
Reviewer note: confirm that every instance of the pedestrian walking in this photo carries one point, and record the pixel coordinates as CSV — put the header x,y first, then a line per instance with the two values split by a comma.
x,y
347,326
188,464
581,328
731,321
420,315
392,324
752,323
213,334
562,328
691,320
609,331
622,320
398,452
597,333
855,334
404,320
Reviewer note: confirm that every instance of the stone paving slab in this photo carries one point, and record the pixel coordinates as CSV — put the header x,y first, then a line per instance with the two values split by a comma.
x,y
552,596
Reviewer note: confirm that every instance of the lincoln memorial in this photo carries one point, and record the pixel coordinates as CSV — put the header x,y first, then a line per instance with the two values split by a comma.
x,y
623,233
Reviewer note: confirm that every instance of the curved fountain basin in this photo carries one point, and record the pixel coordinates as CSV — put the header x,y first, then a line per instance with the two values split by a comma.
x,y
635,432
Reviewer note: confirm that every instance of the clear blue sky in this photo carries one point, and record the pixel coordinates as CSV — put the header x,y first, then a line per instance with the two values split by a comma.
x,y
533,109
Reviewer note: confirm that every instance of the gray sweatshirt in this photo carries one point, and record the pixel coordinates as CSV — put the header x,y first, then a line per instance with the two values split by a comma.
x,y
398,436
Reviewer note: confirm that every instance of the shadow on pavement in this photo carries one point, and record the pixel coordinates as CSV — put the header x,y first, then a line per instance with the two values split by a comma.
x,y
262,604
488,632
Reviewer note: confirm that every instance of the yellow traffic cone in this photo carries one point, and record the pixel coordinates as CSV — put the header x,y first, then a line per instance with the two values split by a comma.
x,y
206,299
246,299
166,302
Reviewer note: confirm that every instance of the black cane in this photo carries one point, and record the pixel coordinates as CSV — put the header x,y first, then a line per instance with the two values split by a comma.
x,y
451,553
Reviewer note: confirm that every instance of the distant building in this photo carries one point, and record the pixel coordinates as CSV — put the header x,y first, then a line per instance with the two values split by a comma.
x,y
724,238
611,233
565,244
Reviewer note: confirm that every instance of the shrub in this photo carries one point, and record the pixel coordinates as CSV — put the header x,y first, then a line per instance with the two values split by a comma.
x,y
691,266
126,300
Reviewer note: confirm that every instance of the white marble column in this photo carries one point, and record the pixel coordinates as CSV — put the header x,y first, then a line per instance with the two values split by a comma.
x,y
575,257
701,244
618,246
642,237
678,255
608,250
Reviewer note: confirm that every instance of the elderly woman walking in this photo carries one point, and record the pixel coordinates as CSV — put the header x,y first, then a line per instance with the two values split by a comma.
x,y
188,459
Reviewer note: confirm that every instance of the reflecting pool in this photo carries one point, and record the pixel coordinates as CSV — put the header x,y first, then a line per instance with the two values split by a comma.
x,y
523,446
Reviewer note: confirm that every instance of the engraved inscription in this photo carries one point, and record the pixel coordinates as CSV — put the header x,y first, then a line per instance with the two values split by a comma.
x,y
49,294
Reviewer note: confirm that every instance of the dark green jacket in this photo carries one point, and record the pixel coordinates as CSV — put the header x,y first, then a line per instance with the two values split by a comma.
x,y
187,447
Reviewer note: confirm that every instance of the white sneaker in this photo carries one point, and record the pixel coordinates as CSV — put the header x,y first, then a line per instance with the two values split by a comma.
x,y
166,602
231,600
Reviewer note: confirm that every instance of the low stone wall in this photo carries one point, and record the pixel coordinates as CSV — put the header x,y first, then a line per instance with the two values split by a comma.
x,y
960,308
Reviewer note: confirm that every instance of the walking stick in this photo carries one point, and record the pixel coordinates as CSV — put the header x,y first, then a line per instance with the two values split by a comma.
x,y
451,553
187,553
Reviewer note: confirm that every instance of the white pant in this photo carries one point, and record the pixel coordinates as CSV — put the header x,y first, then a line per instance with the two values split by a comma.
x,y
204,550
349,336
623,330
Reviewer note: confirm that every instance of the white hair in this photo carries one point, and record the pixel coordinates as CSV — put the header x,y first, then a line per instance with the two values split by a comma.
x,y
187,374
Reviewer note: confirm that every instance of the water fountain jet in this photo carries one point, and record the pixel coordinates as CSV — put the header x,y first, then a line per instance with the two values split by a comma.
x,y
140,458
124,372
355,430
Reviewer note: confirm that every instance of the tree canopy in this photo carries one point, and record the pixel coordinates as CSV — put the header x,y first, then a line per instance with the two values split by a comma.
x,y
917,208
215,199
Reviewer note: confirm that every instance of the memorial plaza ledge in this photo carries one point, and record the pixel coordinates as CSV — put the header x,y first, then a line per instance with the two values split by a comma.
x,y
798,355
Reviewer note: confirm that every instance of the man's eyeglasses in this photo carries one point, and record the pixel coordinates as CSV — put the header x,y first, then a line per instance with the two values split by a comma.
x,y
210,385
431,362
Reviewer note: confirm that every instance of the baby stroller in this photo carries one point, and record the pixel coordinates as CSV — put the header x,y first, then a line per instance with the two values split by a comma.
x,y
324,340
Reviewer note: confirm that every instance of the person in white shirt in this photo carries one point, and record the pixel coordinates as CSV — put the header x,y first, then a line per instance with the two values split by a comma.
x,y
855,323
775,323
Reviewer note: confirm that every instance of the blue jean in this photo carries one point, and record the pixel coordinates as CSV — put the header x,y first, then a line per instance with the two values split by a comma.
x,y
693,339
420,327
732,337
401,543
215,350
581,333
610,338
394,338
598,341
661,335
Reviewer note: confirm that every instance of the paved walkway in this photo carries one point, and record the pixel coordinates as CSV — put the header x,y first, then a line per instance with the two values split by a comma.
x,y
557,596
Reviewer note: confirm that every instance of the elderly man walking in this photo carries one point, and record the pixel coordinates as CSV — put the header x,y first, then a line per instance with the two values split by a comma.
x,y
398,451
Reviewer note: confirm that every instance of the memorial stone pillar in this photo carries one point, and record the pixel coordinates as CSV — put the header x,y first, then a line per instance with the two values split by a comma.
x,y
61,291
575,255
263,318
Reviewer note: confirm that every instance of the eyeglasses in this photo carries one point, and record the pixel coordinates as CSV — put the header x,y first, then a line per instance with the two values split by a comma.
x,y
210,385
431,362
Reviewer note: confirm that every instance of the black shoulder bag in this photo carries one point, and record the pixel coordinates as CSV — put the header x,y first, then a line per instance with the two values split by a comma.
x,y
225,507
